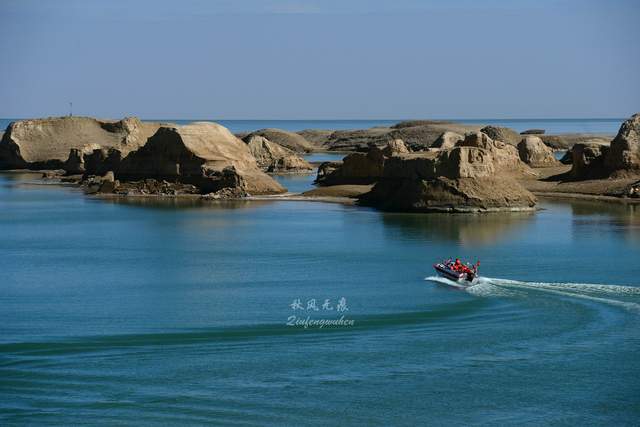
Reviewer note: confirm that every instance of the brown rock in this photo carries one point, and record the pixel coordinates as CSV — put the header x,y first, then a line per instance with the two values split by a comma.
x,y
290,140
624,153
535,153
204,154
359,168
41,143
500,133
273,158
450,195
317,137
447,140
588,160
395,146
505,156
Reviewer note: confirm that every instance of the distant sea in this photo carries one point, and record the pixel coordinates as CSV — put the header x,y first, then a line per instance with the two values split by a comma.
x,y
553,126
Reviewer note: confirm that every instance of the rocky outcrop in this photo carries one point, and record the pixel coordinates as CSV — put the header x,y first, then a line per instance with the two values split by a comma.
x,y
273,158
422,134
466,178
357,140
587,161
47,143
624,153
505,157
317,137
621,158
500,133
356,168
477,174
416,134
397,146
535,153
568,140
447,140
443,194
366,168
359,168
290,140
204,154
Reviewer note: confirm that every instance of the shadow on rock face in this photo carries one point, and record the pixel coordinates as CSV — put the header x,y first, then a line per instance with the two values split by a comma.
x,y
465,229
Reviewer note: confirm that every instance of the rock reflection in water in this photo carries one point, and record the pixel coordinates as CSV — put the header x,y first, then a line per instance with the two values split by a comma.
x,y
622,218
472,229
195,202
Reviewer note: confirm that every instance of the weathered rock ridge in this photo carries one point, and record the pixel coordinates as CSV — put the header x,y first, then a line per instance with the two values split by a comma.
x,y
272,157
203,154
624,153
477,174
621,157
47,143
290,140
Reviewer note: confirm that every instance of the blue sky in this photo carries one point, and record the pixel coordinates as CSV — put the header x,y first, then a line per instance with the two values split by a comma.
x,y
322,59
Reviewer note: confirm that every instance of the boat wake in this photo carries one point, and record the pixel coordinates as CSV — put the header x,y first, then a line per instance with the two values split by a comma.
x,y
607,294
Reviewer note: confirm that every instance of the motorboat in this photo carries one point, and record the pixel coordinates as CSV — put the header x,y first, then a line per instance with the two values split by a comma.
x,y
463,273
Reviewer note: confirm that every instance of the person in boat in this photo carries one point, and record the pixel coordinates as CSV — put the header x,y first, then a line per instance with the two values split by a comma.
x,y
457,265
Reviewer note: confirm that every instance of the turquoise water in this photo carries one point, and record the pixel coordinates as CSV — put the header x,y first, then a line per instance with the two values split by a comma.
x,y
166,312
553,126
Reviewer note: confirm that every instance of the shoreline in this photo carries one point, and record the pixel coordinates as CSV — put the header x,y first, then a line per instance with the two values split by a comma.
x,y
300,197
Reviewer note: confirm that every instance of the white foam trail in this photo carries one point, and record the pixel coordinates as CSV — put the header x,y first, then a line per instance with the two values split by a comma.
x,y
481,288
488,286
572,287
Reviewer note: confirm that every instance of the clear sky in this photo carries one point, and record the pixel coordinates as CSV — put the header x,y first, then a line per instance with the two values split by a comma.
x,y
322,59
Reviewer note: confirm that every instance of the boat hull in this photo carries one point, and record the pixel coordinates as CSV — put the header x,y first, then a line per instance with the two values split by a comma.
x,y
447,273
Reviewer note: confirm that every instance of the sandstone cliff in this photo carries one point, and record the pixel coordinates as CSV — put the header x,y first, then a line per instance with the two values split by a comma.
x,y
477,174
46,143
204,154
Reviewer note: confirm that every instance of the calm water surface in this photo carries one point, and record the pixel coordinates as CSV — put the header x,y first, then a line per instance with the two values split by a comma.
x,y
175,313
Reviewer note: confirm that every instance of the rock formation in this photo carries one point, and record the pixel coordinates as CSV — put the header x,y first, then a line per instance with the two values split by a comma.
x,y
624,153
467,178
356,140
622,157
503,134
273,158
535,153
587,161
359,168
204,154
505,156
422,134
317,137
477,174
47,143
397,146
290,140
443,194
447,140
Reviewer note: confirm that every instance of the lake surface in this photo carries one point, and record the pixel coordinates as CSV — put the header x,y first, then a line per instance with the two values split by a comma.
x,y
168,312
553,126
